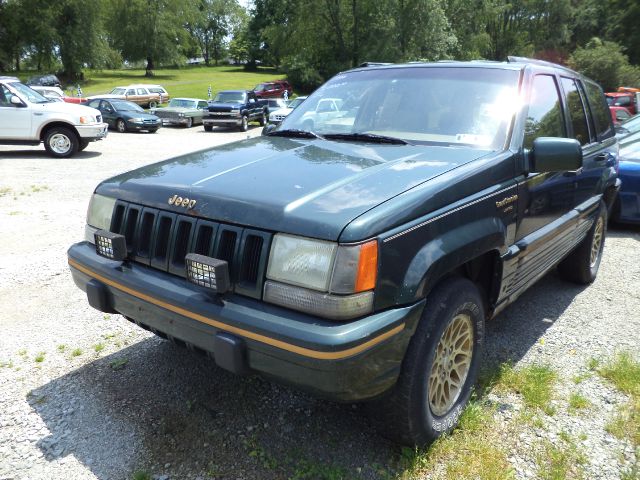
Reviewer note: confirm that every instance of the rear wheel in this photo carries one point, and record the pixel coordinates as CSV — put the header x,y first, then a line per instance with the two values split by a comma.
x,y
263,119
439,368
121,126
61,142
153,104
581,265
244,126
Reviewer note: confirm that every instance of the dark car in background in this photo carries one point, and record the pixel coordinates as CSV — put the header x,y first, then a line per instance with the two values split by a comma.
x,y
125,116
45,81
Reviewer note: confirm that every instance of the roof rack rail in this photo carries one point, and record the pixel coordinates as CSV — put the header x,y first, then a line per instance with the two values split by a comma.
x,y
374,64
535,61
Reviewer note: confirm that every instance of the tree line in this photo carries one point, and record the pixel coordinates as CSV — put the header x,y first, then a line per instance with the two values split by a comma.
x,y
311,40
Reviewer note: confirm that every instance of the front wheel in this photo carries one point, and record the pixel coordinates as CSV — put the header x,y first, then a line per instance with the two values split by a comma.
x,y
263,119
189,123
244,126
82,144
208,128
440,366
61,142
581,265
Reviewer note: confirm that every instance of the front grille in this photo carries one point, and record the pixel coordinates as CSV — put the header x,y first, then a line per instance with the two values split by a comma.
x,y
279,117
162,239
161,114
150,121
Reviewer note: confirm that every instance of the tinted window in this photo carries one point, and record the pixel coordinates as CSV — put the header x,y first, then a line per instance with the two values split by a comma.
x,y
577,114
94,103
623,101
599,110
202,105
544,118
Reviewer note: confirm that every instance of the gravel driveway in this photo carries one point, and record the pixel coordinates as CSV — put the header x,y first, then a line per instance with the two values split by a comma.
x,y
88,395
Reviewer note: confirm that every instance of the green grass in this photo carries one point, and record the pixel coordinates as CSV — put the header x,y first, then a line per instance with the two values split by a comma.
x,y
39,358
141,475
98,347
62,347
624,372
119,364
534,382
578,402
76,352
561,460
179,82
473,450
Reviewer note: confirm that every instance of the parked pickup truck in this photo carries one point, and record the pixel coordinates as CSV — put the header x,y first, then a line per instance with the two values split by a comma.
x,y
362,263
28,118
235,108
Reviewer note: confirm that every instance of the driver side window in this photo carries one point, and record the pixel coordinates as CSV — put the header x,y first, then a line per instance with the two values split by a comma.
x,y
544,118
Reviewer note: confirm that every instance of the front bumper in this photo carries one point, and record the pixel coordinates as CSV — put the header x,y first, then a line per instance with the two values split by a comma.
x,y
93,132
343,361
223,122
143,126
176,120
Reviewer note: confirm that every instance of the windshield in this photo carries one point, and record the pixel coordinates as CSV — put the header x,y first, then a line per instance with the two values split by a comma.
x,y
127,107
118,91
295,102
182,103
423,105
229,97
27,93
631,125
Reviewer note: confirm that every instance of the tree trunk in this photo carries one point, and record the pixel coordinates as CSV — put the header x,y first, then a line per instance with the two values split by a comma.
x,y
17,62
150,67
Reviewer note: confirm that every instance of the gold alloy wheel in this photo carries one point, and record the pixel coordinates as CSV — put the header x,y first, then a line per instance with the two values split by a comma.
x,y
596,243
451,364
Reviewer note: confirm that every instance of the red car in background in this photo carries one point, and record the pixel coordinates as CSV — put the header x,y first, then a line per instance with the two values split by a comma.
x,y
273,89
625,98
619,114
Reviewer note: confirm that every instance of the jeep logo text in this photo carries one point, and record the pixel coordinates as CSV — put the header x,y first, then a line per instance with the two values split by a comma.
x,y
181,202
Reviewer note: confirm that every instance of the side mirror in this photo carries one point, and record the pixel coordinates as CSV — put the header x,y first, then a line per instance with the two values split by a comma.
x,y
16,101
552,154
252,100
268,128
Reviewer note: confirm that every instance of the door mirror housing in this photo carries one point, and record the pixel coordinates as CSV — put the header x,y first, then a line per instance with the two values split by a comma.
x,y
15,100
268,128
553,154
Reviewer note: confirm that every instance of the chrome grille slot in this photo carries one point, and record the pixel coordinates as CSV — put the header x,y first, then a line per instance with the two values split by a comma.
x,y
204,238
180,243
144,235
161,241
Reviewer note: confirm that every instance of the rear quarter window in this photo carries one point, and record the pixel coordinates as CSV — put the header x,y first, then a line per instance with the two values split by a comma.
x,y
599,111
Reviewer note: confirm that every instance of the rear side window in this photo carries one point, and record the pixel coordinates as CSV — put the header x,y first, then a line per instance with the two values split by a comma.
x,y
599,110
544,118
577,115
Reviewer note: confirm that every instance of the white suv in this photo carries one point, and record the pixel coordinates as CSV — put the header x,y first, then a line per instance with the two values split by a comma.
x,y
28,118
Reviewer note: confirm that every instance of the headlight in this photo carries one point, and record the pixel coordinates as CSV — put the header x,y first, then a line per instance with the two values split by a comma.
x,y
337,280
136,120
100,211
300,261
87,119
181,114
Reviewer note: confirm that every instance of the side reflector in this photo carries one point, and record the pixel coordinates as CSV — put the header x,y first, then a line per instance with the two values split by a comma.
x,y
367,267
208,272
110,245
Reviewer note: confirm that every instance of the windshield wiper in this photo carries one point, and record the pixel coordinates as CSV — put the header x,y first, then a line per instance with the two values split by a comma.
x,y
366,137
293,132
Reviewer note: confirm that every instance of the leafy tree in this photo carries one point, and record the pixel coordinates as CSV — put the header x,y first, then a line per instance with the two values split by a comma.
x,y
12,34
624,26
150,30
602,61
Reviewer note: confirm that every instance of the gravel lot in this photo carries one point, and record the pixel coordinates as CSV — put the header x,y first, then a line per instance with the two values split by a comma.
x,y
85,395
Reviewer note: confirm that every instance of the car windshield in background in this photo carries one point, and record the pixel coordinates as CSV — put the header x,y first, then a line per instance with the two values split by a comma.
x,y
29,94
180,103
127,107
118,91
631,125
229,97
295,102
432,105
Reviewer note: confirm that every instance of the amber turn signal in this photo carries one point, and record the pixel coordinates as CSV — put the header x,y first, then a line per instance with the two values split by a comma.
x,y
367,267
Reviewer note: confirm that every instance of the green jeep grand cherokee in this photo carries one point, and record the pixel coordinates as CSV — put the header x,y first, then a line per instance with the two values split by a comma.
x,y
358,254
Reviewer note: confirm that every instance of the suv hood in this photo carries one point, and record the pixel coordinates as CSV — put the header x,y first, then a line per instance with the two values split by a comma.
x,y
312,188
66,108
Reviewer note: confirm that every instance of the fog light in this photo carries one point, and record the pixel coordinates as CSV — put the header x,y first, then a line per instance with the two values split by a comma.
x,y
208,272
110,245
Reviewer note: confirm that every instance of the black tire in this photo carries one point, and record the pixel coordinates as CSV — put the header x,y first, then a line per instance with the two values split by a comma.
x,y
153,130
121,125
409,413
61,142
208,128
82,144
581,265
153,104
263,119
189,122
244,126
